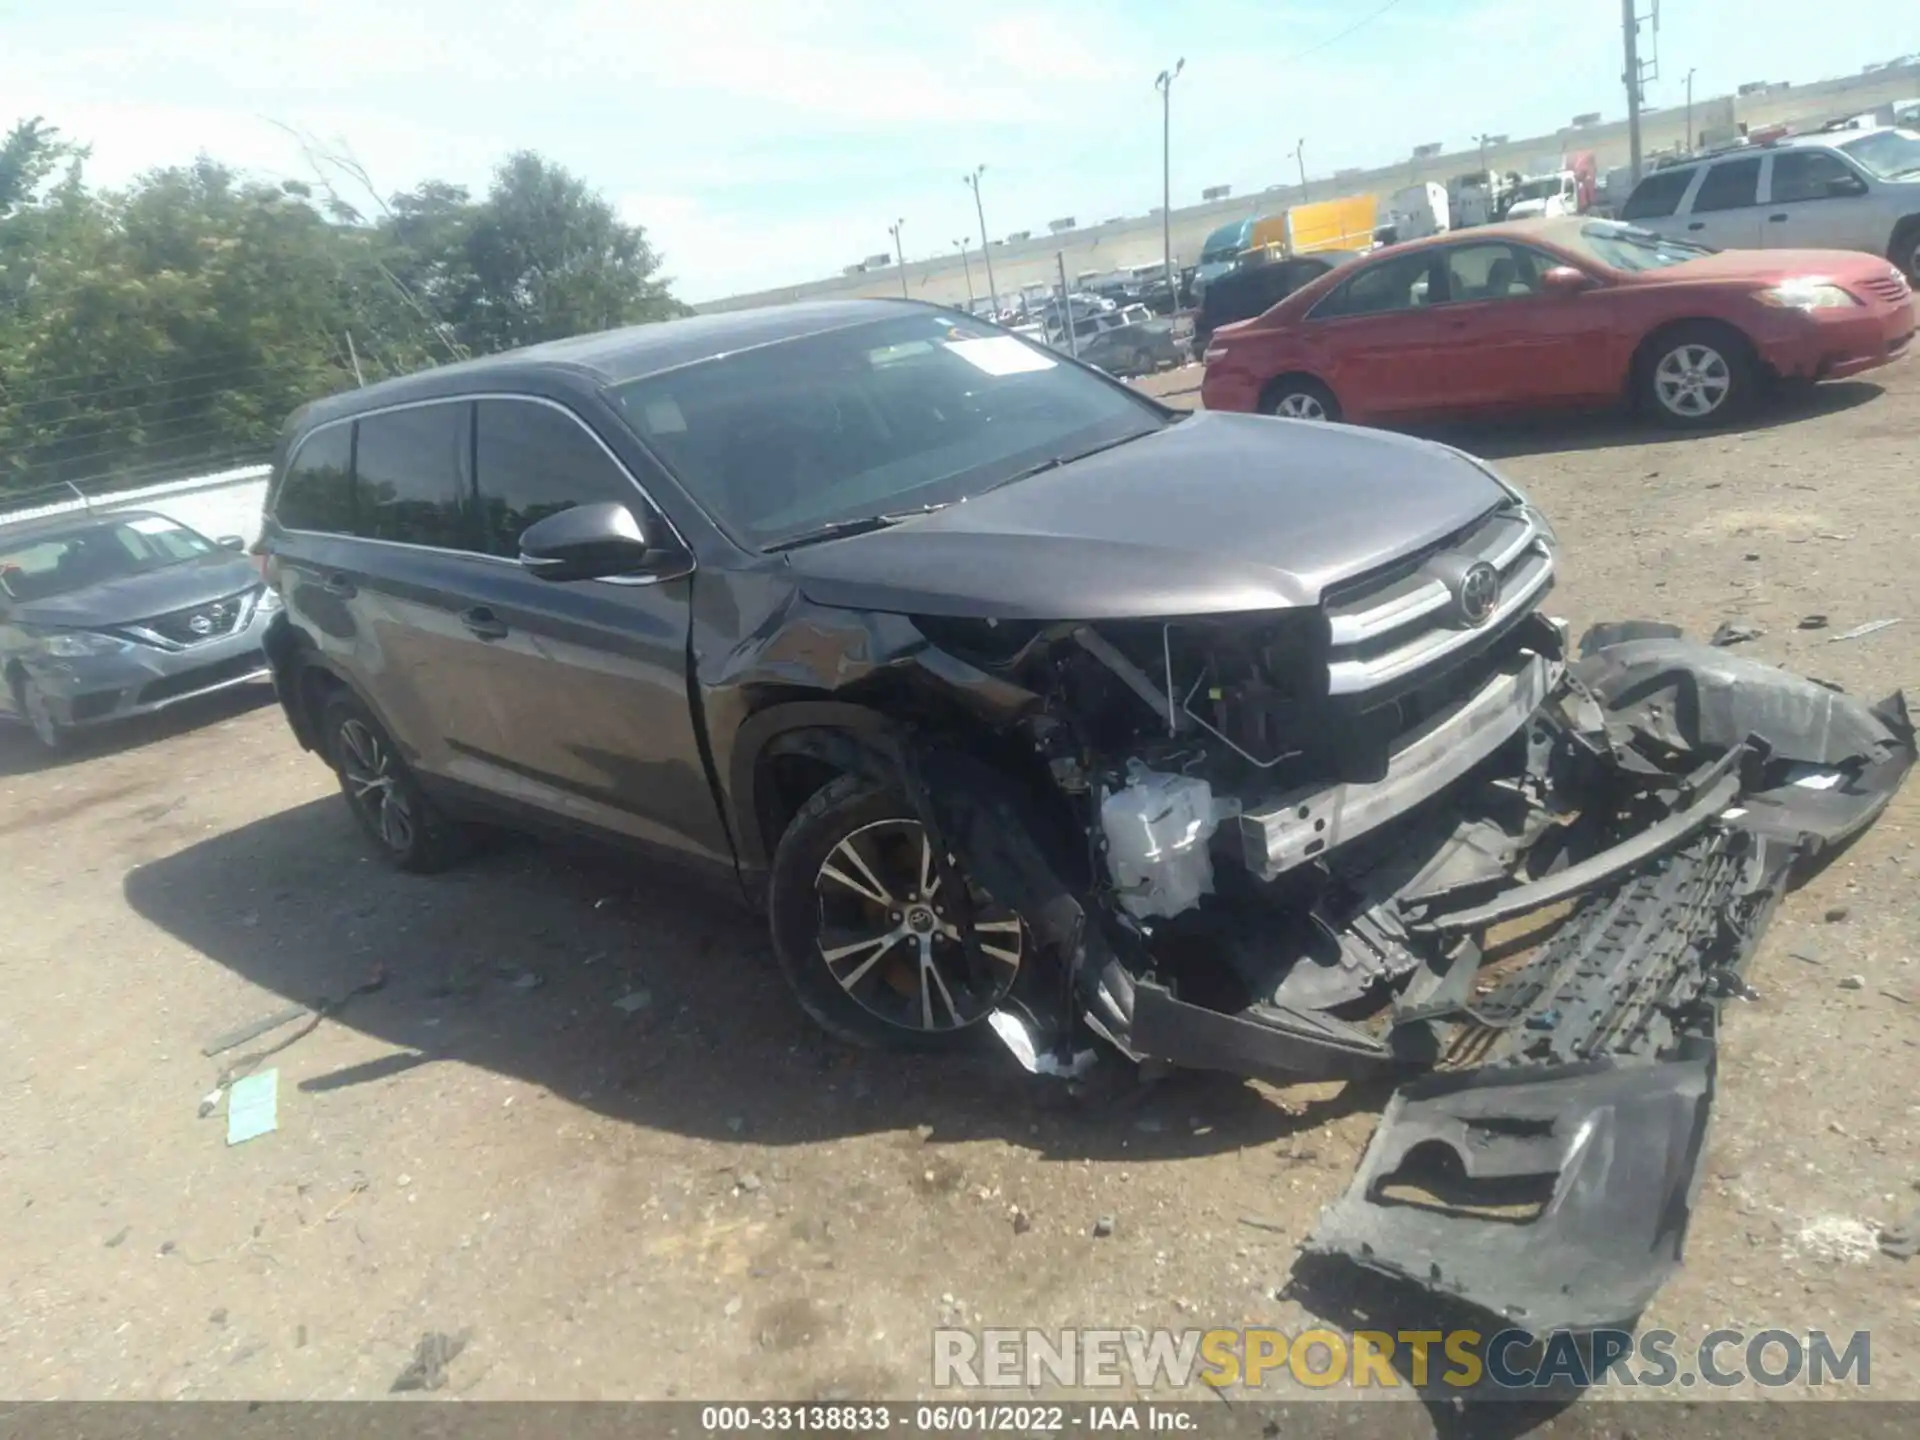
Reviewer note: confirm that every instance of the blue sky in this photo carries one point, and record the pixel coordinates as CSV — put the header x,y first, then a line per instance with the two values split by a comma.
x,y
769,141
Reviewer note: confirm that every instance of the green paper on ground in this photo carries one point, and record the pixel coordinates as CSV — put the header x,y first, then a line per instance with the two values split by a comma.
x,y
253,1107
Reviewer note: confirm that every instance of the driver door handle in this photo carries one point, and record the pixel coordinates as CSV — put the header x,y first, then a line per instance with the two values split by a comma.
x,y
341,584
1778,217
484,624
1698,225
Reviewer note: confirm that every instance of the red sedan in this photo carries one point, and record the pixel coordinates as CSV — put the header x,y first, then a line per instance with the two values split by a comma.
x,y
1559,313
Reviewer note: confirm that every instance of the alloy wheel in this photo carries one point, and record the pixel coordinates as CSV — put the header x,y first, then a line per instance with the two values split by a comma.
x,y
1692,380
368,767
896,944
1299,405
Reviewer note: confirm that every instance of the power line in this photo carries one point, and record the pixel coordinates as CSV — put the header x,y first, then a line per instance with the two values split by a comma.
x,y
1354,28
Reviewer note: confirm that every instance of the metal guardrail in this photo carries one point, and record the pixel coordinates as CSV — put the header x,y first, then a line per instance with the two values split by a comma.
x,y
68,498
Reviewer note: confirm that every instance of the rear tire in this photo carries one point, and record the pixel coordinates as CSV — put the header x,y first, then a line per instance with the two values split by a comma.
x,y
407,829
1298,398
1696,376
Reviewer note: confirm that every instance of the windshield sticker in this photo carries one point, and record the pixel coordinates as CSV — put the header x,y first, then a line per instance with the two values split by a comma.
x,y
152,525
1001,355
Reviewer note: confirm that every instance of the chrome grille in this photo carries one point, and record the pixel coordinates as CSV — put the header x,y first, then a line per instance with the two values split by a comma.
x,y
1383,630
199,624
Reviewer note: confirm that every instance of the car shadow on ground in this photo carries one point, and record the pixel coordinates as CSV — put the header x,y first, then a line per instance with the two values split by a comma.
x,y
21,754
1621,429
632,991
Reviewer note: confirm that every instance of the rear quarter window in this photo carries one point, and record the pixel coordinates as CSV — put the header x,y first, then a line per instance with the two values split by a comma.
x,y
1658,195
317,491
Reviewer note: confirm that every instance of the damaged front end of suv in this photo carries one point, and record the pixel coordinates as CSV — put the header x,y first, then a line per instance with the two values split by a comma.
x,y
1407,832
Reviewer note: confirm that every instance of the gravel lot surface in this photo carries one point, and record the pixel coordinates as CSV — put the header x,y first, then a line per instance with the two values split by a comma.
x,y
693,1194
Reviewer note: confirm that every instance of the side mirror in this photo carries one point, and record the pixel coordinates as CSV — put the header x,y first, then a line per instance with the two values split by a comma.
x,y
587,542
232,542
1565,280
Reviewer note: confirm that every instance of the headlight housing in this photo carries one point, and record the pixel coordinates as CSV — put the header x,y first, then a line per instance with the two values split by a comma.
x,y
1806,295
77,644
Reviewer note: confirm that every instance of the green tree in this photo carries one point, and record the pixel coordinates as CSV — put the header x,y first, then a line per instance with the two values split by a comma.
x,y
173,325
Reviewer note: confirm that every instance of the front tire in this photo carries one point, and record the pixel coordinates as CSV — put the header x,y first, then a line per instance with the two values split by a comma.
x,y
1905,251
1298,398
1697,376
48,733
406,828
873,950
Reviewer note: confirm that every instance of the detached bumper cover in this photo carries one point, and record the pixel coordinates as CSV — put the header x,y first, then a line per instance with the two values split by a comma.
x,y
1548,1178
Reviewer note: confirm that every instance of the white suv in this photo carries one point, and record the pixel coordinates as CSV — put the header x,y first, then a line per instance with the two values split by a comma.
x,y
1850,190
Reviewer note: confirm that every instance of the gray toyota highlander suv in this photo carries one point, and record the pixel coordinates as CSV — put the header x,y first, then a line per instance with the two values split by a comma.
x,y
1023,703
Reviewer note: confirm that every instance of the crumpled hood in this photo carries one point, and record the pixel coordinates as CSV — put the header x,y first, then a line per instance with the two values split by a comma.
x,y
140,597
1215,514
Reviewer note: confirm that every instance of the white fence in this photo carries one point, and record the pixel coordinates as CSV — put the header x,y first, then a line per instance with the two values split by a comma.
x,y
225,503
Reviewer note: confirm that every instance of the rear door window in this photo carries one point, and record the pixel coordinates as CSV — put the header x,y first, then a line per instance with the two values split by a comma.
x,y
411,474
317,493
1730,185
534,460
1813,175
1658,195
1402,283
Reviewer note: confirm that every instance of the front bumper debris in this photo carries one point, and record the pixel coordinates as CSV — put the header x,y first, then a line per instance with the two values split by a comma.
x,y
1540,1158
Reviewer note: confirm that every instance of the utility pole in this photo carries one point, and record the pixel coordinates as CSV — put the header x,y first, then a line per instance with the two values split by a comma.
x,y
1481,140
1689,142
1163,82
1066,305
900,255
1300,154
972,182
1630,24
962,245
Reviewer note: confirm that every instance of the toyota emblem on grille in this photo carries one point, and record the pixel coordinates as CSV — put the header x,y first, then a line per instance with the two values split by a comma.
x,y
1477,592
201,624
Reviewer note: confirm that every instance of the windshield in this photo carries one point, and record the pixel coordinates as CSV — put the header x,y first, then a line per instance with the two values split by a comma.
x,y
1537,189
1628,247
889,416
96,553
1890,154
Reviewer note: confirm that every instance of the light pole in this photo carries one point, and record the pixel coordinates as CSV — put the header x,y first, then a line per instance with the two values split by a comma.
x,y
1163,82
961,245
1689,141
900,255
972,182
1481,141
1300,154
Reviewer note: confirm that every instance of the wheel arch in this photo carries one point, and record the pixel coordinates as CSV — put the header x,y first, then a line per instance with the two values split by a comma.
x,y
1274,384
1644,352
788,752
306,680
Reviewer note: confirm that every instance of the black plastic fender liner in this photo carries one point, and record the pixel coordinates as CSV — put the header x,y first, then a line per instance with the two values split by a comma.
x,y
1265,1042
1556,1199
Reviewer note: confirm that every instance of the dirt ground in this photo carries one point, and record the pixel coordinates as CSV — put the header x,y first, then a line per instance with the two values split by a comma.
x,y
695,1195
